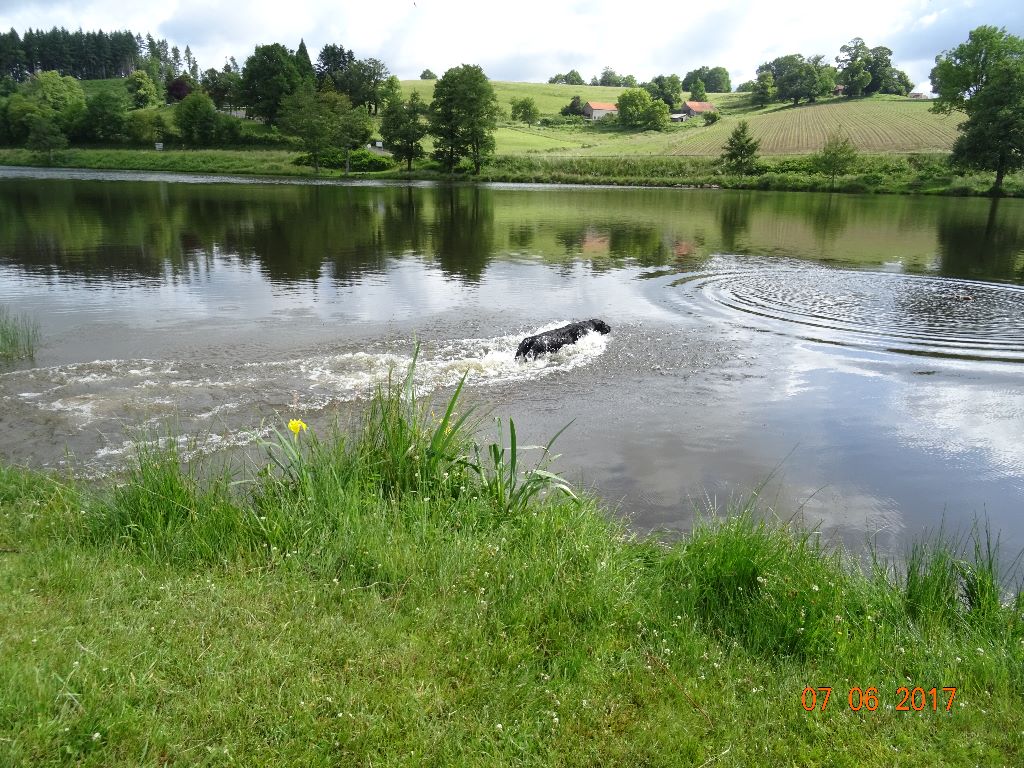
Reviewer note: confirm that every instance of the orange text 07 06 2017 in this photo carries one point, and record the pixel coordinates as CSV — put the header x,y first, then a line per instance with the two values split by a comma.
x,y
907,699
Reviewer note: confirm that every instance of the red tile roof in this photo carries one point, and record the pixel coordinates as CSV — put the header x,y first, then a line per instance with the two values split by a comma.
x,y
602,105
701,106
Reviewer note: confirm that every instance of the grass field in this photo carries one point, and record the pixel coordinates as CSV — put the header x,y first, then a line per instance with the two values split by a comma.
x,y
549,98
397,597
881,124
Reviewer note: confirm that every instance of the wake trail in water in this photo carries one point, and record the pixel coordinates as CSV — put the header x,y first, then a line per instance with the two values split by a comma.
x,y
97,409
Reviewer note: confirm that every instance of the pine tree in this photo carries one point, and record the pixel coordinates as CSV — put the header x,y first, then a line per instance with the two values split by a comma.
x,y
698,92
740,155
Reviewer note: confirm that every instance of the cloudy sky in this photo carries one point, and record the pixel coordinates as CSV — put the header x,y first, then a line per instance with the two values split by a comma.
x,y
530,40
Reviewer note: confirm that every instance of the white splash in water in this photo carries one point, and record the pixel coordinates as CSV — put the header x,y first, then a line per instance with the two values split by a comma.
x,y
222,400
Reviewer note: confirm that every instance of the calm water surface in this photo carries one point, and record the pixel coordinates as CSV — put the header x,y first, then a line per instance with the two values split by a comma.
x,y
861,358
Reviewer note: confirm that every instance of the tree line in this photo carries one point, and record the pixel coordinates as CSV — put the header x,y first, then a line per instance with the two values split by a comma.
x,y
327,105
859,71
84,55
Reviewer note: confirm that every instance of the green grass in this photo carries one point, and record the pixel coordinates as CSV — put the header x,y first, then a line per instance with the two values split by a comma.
x,y
880,124
896,174
19,335
268,162
549,98
112,84
376,598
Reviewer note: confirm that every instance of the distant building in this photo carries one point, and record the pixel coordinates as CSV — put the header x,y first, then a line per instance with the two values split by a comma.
x,y
916,95
839,90
692,108
678,117
595,110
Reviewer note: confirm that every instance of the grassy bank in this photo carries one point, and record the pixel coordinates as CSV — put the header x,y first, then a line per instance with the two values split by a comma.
x,y
892,174
399,596
215,161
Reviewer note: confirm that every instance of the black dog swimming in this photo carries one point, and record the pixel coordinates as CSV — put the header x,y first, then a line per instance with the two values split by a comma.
x,y
551,341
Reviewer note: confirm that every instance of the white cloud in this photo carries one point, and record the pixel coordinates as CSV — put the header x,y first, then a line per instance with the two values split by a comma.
x,y
530,39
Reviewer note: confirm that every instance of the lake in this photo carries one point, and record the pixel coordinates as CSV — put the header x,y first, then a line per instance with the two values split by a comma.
x,y
857,360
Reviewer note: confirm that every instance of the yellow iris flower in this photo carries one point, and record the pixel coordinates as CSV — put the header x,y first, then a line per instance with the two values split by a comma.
x,y
296,426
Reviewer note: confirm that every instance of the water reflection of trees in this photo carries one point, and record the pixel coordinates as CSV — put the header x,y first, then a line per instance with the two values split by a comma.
x,y
734,219
982,247
463,237
828,216
129,230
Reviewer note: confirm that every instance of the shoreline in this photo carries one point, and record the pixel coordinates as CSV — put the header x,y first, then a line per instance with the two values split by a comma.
x,y
387,597
879,174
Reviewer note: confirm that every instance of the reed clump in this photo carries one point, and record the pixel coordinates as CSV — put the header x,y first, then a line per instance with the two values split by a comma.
x,y
19,335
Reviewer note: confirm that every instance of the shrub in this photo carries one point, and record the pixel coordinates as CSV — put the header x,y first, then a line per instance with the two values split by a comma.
x,y
364,160
563,120
196,118
361,160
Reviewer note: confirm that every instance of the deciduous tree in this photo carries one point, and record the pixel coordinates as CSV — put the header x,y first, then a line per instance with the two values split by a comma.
x,y
44,135
142,90
403,126
63,96
698,92
715,79
764,90
525,110
180,87
668,88
269,75
196,118
105,116
463,116
324,120
984,77
836,158
638,110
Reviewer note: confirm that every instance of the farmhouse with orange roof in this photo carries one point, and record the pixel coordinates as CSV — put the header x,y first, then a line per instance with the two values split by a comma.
x,y
595,110
693,108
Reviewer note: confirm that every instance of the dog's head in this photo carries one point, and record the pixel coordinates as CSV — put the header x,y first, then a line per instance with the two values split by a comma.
x,y
601,326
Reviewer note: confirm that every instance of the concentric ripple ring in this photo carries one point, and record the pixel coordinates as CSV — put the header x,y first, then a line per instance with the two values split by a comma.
x,y
896,312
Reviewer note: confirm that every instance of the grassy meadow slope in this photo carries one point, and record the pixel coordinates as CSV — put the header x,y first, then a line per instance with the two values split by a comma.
x,y
549,98
881,124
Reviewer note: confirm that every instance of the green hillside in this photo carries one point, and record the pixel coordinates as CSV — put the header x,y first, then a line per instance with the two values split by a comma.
x,y
881,124
549,98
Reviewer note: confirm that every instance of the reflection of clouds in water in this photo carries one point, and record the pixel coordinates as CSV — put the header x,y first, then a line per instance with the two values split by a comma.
x,y
574,291
847,512
411,289
796,362
957,418
947,413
